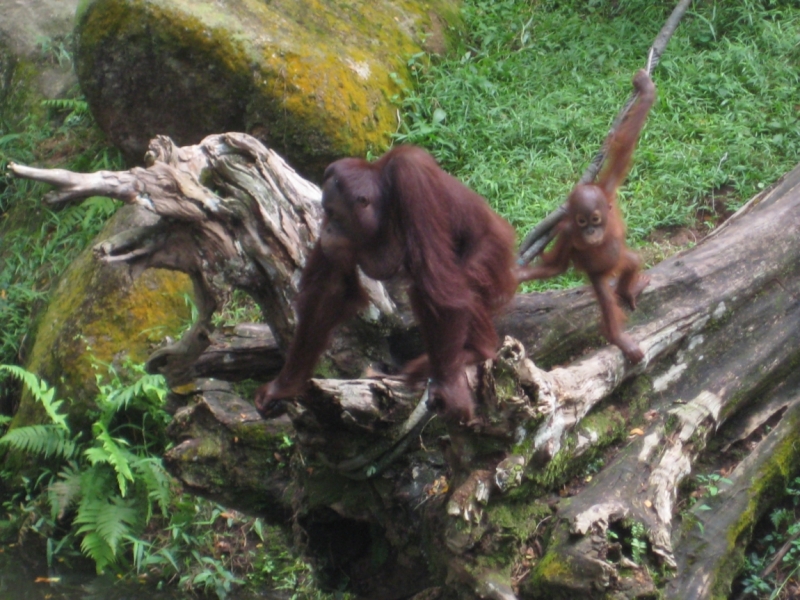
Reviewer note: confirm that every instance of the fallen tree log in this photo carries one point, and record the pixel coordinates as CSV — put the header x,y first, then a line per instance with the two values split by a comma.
x,y
511,507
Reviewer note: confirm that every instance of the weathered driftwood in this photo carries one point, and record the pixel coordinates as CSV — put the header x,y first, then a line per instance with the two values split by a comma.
x,y
718,324
247,226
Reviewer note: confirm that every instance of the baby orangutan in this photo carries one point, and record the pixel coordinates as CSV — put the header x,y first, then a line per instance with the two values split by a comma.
x,y
592,234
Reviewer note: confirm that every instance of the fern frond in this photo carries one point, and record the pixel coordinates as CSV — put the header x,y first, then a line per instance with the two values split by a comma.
x,y
30,380
72,104
158,483
113,453
96,482
41,392
96,548
147,386
112,521
93,544
64,492
117,519
48,440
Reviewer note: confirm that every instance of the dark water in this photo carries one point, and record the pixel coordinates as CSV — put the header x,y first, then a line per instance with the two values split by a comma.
x,y
24,577
18,581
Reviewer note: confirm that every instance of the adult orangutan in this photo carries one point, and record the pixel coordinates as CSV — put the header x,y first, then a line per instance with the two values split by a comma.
x,y
592,233
404,216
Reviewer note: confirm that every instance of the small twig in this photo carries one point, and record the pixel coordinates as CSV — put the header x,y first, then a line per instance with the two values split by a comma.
x,y
779,556
777,592
540,236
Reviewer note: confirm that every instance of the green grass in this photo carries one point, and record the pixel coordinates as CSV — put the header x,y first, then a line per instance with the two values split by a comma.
x,y
522,109
36,243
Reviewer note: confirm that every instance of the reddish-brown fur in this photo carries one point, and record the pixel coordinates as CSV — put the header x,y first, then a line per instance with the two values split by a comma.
x,y
403,215
592,234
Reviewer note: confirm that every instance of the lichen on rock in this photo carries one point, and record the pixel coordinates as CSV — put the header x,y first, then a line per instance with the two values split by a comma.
x,y
313,79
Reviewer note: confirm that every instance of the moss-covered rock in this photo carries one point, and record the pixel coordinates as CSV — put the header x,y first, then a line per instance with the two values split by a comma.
x,y
314,79
16,89
99,314
34,40
33,60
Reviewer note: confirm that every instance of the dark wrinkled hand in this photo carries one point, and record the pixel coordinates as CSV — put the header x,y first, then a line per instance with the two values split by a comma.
x,y
269,399
453,400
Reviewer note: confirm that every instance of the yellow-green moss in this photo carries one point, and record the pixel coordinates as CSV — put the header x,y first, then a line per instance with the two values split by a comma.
x,y
772,478
519,519
607,424
95,316
636,395
18,95
207,447
173,28
325,369
551,568
254,435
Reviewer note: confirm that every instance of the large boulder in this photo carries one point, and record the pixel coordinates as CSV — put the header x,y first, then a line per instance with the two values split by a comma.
x,y
28,25
315,80
99,314
34,58
95,310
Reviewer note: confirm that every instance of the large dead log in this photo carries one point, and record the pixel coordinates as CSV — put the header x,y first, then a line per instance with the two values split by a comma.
x,y
475,510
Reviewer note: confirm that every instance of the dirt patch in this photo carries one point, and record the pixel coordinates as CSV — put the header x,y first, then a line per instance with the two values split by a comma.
x,y
711,213
666,241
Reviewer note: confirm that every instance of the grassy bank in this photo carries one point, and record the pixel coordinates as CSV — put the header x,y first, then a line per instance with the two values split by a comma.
x,y
520,112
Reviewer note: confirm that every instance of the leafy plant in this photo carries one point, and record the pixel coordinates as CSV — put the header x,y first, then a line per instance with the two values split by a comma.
x,y
111,490
39,243
710,484
638,542
774,560
75,110
632,537
56,50
109,493
53,439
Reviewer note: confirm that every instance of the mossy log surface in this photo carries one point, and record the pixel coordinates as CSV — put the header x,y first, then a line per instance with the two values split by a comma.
x,y
576,480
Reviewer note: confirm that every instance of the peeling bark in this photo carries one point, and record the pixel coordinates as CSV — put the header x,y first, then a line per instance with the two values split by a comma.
x,y
472,508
